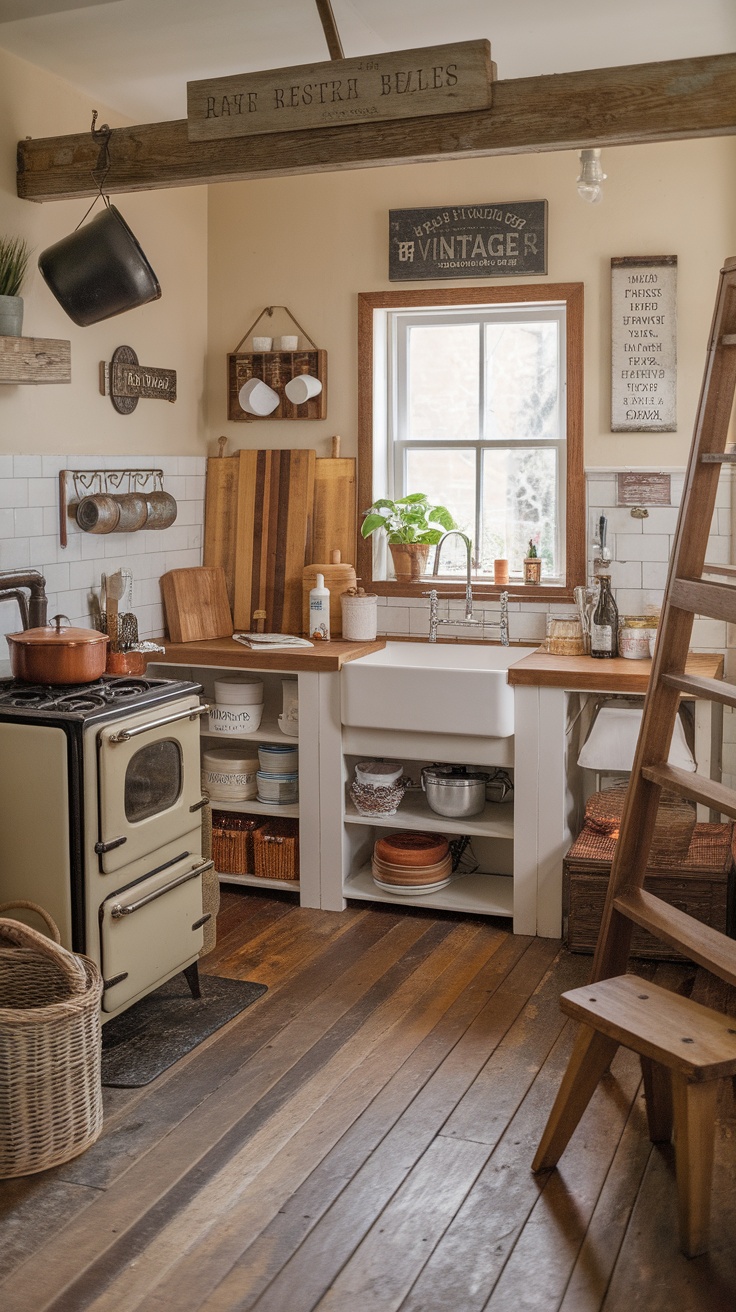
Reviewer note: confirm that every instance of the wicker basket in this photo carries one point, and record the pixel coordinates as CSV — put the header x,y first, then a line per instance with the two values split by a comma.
x,y
276,850
232,842
673,829
50,1044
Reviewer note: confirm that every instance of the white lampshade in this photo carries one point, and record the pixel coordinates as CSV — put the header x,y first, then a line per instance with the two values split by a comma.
x,y
611,743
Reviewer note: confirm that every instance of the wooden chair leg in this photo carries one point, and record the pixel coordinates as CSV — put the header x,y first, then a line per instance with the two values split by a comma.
x,y
658,1095
591,1057
694,1108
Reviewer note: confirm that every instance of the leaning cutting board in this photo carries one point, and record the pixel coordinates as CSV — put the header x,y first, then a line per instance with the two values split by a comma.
x,y
334,507
220,514
273,523
196,604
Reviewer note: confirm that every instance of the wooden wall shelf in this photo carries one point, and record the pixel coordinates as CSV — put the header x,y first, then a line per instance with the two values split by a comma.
x,y
35,360
277,368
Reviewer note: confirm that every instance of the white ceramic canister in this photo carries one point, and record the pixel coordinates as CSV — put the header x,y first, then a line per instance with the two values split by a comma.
x,y
241,689
231,718
278,789
378,774
278,759
359,618
229,775
633,638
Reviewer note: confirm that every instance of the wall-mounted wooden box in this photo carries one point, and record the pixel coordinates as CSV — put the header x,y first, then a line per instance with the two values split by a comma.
x,y
277,368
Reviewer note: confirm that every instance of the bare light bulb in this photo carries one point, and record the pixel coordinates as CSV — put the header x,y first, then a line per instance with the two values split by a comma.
x,y
591,176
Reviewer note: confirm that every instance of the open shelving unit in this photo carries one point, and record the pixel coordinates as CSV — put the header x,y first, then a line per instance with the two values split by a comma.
x,y
35,360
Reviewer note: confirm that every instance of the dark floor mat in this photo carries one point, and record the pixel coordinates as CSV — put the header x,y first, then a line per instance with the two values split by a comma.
x,y
151,1035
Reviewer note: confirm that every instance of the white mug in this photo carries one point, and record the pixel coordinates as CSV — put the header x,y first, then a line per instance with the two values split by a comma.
x,y
287,343
262,343
257,398
301,388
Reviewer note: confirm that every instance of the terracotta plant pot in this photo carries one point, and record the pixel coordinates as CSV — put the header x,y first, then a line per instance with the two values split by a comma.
x,y
532,569
409,560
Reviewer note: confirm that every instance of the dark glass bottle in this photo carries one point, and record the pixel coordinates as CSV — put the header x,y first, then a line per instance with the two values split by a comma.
x,y
604,628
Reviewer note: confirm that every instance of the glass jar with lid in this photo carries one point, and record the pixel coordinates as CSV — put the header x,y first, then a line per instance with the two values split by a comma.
x,y
635,634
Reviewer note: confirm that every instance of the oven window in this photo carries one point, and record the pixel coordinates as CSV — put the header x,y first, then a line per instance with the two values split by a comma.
x,y
153,780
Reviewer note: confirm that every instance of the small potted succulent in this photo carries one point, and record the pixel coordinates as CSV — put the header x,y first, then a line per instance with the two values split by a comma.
x,y
532,564
412,526
14,257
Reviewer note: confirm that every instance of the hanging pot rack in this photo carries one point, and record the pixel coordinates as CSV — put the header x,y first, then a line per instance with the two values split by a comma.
x,y
89,482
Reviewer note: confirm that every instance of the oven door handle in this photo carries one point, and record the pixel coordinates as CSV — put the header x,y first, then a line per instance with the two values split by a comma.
x,y
117,911
126,734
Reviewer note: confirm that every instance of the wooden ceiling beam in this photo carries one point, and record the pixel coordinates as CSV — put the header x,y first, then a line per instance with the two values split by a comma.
x,y
636,104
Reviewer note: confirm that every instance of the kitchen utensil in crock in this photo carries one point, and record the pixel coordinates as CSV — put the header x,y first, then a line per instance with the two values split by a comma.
x,y
99,513
99,270
114,589
57,655
456,792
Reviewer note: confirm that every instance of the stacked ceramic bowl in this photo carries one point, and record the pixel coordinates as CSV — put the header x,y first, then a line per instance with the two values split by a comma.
x,y
229,774
378,787
412,863
278,777
238,705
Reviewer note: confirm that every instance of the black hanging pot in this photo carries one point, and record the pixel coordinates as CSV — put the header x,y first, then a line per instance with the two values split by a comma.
x,y
99,270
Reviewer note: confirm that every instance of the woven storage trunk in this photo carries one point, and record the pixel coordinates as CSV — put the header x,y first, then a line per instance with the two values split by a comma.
x,y
276,850
701,885
50,1046
673,828
232,842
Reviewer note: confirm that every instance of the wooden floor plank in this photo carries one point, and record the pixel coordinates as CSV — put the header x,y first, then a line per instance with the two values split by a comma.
x,y
32,1209
299,1216
306,1278
213,1231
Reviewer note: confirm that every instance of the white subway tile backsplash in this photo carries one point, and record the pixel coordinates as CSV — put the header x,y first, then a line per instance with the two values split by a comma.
x,y
15,553
13,491
43,492
393,619
718,551
708,635
27,466
661,519
626,574
28,522
57,578
7,524
654,546
6,466
654,574
52,465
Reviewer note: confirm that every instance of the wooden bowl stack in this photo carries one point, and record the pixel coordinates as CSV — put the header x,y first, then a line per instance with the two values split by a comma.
x,y
412,863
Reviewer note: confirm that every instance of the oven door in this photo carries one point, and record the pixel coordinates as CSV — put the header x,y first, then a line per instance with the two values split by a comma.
x,y
149,783
151,929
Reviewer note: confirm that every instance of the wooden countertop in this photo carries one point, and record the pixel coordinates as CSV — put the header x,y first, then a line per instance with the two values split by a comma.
x,y
322,658
584,673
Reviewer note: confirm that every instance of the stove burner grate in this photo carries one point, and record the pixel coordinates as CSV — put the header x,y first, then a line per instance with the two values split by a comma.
x,y
108,690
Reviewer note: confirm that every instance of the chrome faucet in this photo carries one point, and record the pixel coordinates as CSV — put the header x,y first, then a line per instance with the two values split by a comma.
x,y
455,532
469,622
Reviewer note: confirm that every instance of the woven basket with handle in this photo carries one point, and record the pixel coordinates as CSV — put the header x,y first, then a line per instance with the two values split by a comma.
x,y
673,829
50,1041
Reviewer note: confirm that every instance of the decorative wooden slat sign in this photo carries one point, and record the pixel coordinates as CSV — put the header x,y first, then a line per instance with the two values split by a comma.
x,y
125,381
644,344
401,84
492,240
637,488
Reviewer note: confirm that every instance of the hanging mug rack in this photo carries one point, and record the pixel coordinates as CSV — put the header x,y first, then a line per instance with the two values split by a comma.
x,y
278,370
114,501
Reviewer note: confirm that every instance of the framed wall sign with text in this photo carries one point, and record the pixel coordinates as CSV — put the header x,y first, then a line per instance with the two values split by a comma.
x,y
644,344
489,240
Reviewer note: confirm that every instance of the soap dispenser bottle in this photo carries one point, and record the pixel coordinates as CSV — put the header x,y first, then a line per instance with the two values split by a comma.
x,y
319,610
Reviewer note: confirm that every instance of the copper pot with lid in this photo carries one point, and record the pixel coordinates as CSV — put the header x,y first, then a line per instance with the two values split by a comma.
x,y
56,654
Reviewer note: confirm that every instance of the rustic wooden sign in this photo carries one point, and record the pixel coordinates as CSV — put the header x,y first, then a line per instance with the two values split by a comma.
x,y
400,84
637,488
644,344
125,381
491,240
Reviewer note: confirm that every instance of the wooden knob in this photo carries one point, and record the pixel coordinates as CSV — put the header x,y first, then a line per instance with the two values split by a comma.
x,y
221,443
335,557
336,447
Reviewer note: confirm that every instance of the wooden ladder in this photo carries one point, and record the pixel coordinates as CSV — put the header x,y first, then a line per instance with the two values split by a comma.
x,y
687,594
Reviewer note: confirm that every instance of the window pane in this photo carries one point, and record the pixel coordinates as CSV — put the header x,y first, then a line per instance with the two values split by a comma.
x,y
448,478
521,381
520,496
443,383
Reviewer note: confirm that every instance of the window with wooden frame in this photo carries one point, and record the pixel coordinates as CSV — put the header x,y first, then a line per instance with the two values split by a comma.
x,y
475,397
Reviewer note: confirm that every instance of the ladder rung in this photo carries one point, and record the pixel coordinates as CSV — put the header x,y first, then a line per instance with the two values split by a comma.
x,y
714,690
695,940
694,786
728,339
718,457
728,571
716,600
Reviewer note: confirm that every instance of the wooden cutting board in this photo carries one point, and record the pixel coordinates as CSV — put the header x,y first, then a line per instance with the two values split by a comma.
x,y
196,604
273,523
334,507
220,514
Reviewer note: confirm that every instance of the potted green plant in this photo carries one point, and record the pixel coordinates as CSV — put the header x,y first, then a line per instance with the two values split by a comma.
x,y
412,526
14,257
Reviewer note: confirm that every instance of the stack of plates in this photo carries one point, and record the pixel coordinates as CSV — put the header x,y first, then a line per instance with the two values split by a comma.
x,y
412,863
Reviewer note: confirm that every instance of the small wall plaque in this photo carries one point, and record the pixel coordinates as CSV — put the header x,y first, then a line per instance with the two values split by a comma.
x,y
637,488
125,381
490,240
644,344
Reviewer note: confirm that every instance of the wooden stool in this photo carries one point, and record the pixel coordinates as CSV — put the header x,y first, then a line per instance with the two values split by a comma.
x,y
685,1049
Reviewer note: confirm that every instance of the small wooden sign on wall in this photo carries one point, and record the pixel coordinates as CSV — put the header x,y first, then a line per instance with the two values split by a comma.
x,y
491,240
126,381
644,344
388,85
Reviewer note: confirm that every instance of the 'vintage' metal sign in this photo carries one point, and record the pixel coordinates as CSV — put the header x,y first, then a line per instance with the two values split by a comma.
x,y
489,240
389,85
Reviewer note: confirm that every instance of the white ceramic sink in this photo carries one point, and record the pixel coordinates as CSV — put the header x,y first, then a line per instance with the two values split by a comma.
x,y
432,688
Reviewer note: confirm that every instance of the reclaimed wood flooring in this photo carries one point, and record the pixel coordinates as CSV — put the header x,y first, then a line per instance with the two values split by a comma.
x,y
360,1139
